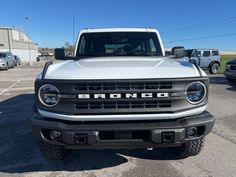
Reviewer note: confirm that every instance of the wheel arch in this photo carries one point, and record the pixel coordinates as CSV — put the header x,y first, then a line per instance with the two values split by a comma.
x,y
213,63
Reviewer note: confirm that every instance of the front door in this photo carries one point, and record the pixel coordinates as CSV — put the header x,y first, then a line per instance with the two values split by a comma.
x,y
205,59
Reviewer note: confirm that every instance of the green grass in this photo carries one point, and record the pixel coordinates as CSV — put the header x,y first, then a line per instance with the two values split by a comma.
x,y
224,60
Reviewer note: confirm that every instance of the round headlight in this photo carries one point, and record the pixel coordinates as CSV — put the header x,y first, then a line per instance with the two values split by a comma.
x,y
48,95
196,92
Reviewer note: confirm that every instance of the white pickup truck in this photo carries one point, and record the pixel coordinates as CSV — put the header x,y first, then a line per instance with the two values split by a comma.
x,y
120,91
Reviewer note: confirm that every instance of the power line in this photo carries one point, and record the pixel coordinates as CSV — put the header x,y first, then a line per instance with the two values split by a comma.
x,y
203,37
201,24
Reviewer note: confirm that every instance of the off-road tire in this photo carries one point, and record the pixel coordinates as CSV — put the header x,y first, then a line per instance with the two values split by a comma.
x,y
214,68
52,152
191,148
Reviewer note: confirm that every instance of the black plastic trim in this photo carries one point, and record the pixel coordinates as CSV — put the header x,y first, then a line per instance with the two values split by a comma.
x,y
92,129
47,64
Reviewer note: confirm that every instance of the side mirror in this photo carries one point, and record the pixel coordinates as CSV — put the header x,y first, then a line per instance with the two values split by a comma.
x,y
178,52
59,54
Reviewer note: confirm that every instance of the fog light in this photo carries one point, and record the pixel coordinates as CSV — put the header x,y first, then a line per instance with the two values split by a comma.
x,y
191,132
55,135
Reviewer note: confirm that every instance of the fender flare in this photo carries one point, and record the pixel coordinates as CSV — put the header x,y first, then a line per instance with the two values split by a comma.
x,y
213,63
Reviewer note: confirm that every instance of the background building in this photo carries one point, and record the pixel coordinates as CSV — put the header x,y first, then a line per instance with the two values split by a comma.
x,y
17,42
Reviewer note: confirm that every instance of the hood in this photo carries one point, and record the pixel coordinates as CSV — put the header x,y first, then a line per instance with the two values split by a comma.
x,y
231,62
122,68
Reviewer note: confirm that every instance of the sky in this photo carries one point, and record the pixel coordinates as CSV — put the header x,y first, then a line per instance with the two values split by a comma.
x,y
193,24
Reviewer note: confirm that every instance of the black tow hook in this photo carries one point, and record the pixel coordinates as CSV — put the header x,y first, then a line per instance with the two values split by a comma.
x,y
81,138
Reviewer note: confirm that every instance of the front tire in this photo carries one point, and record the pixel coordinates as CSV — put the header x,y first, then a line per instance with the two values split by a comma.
x,y
214,68
191,148
52,152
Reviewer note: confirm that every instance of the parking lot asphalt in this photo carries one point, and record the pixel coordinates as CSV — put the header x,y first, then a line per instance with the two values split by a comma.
x,y
20,154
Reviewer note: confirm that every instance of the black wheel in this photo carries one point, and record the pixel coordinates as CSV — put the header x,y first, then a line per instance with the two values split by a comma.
x,y
52,152
191,148
214,68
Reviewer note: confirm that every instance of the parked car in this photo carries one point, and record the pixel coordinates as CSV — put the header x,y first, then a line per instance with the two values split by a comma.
x,y
230,70
17,60
206,58
6,60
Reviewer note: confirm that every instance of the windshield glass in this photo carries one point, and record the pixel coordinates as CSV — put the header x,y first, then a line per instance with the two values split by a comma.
x,y
2,55
119,44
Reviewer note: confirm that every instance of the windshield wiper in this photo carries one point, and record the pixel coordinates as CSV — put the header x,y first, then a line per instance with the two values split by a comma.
x,y
92,55
141,54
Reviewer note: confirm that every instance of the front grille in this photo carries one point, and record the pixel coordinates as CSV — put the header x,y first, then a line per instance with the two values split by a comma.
x,y
233,67
122,86
122,105
128,96
101,105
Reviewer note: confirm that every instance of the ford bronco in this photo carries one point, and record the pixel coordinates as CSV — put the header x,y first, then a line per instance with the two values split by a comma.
x,y
120,91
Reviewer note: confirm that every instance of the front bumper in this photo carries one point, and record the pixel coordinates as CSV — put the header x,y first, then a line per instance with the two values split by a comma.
x,y
3,65
230,74
122,134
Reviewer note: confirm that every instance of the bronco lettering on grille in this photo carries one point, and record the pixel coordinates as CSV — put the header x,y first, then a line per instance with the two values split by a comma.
x,y
122,95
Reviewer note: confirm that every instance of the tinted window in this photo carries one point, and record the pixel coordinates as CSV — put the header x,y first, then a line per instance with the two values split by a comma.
x,y
215,53
206,53
119,44
3,55
189,52
198,53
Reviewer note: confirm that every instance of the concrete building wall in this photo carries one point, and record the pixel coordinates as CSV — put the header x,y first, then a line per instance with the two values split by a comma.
x,y
16,41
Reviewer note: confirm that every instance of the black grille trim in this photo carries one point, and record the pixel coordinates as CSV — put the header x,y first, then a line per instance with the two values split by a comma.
x,y
122,86
122,105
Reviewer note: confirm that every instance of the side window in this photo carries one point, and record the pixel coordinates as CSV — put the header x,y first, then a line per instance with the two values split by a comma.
x,y
199,53
215,53
152,46
82,46
206,53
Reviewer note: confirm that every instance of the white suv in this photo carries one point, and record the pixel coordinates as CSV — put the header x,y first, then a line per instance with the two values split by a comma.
x,y
206,58
120,91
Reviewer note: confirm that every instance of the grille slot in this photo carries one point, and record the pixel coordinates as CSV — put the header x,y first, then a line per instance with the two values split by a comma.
x,y
98,105
149,85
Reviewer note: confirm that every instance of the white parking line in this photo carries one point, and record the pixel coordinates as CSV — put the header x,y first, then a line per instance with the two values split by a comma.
x,y
9,87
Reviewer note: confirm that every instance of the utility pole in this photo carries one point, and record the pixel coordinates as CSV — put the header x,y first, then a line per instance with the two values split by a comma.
x,y
27,23
73,35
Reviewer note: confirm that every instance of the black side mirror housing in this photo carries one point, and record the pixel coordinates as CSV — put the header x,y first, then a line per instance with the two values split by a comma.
x,y
178,52
59,54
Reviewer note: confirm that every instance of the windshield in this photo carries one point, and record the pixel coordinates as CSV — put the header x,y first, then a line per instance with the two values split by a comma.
x,y
119,44
2,55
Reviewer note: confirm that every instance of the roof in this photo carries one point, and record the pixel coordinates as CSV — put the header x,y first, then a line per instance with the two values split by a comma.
x,y
96,30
